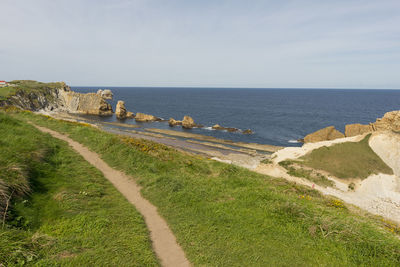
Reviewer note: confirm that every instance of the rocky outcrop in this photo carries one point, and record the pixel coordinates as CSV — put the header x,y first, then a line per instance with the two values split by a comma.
x,y
357,129
106,93
188,123
46,98
248,131
120,110
35,96
141,117
325,134
172,122
90,103
390,121
130,115
229,129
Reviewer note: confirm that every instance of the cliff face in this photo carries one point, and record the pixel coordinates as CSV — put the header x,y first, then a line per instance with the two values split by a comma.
x,y
328,133
57,97
389,122
90,103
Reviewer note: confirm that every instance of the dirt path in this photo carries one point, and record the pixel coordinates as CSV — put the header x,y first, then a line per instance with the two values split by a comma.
x,y
164,241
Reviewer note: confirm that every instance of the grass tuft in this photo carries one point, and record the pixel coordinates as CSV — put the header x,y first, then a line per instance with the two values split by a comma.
x,y
294,168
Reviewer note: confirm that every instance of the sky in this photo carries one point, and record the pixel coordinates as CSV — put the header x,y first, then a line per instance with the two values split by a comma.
x,y
203,43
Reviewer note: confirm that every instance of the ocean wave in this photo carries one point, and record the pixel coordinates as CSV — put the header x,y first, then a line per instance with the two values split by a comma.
x,y
293,141
208,128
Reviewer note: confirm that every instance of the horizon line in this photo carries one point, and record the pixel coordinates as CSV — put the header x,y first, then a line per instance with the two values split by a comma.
x,y
228,87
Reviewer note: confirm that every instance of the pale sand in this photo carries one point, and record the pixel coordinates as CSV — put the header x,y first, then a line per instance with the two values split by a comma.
x,y
387,146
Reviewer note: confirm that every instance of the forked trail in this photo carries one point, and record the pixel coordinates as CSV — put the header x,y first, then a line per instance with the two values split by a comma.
x,y
164,241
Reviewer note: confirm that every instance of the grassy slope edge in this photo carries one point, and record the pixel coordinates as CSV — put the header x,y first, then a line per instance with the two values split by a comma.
x,y
347,160
224,215
72,216
27,86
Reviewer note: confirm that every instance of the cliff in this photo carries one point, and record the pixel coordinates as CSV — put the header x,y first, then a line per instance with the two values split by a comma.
x,y
36,96
390,121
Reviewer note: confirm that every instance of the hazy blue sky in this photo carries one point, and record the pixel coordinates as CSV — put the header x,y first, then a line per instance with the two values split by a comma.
x,y
340,43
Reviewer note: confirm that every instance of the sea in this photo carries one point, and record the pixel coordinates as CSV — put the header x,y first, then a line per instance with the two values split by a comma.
x,y
276,116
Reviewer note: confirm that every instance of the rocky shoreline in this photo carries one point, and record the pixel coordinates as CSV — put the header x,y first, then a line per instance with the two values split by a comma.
x,y
390,121
247,155
60,98
61,102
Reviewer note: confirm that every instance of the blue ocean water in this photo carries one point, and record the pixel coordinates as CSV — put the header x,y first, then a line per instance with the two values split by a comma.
x,y
277,116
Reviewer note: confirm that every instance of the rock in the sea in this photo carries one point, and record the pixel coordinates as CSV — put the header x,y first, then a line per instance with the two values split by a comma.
x,y
325,134
141,117
217,127
188,122
248,131
120,110
106,93
357,129
229,129
390,121
172,122
130,115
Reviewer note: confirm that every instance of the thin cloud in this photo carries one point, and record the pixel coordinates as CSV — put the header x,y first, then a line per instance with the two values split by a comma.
x,y
342,44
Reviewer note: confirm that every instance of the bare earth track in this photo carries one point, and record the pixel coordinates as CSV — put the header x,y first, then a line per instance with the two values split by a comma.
x,y
164,241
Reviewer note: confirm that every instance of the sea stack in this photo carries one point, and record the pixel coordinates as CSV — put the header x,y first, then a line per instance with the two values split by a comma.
x,y
188,122
120,110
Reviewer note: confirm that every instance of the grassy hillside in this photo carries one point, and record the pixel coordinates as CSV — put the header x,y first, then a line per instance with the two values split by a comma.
x,y
224,215
62,211
6,92
347,160
26,85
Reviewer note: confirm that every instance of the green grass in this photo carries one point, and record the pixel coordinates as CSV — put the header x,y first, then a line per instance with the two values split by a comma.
x,y
35,85
266,161
6,91
72,216
347,160
304,173
27,86
224,215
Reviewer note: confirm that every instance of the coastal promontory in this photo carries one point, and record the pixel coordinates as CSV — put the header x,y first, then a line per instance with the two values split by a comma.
x,y
56,97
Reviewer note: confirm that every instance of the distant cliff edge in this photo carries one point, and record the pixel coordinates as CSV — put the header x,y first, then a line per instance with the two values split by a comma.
x,y
58,96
